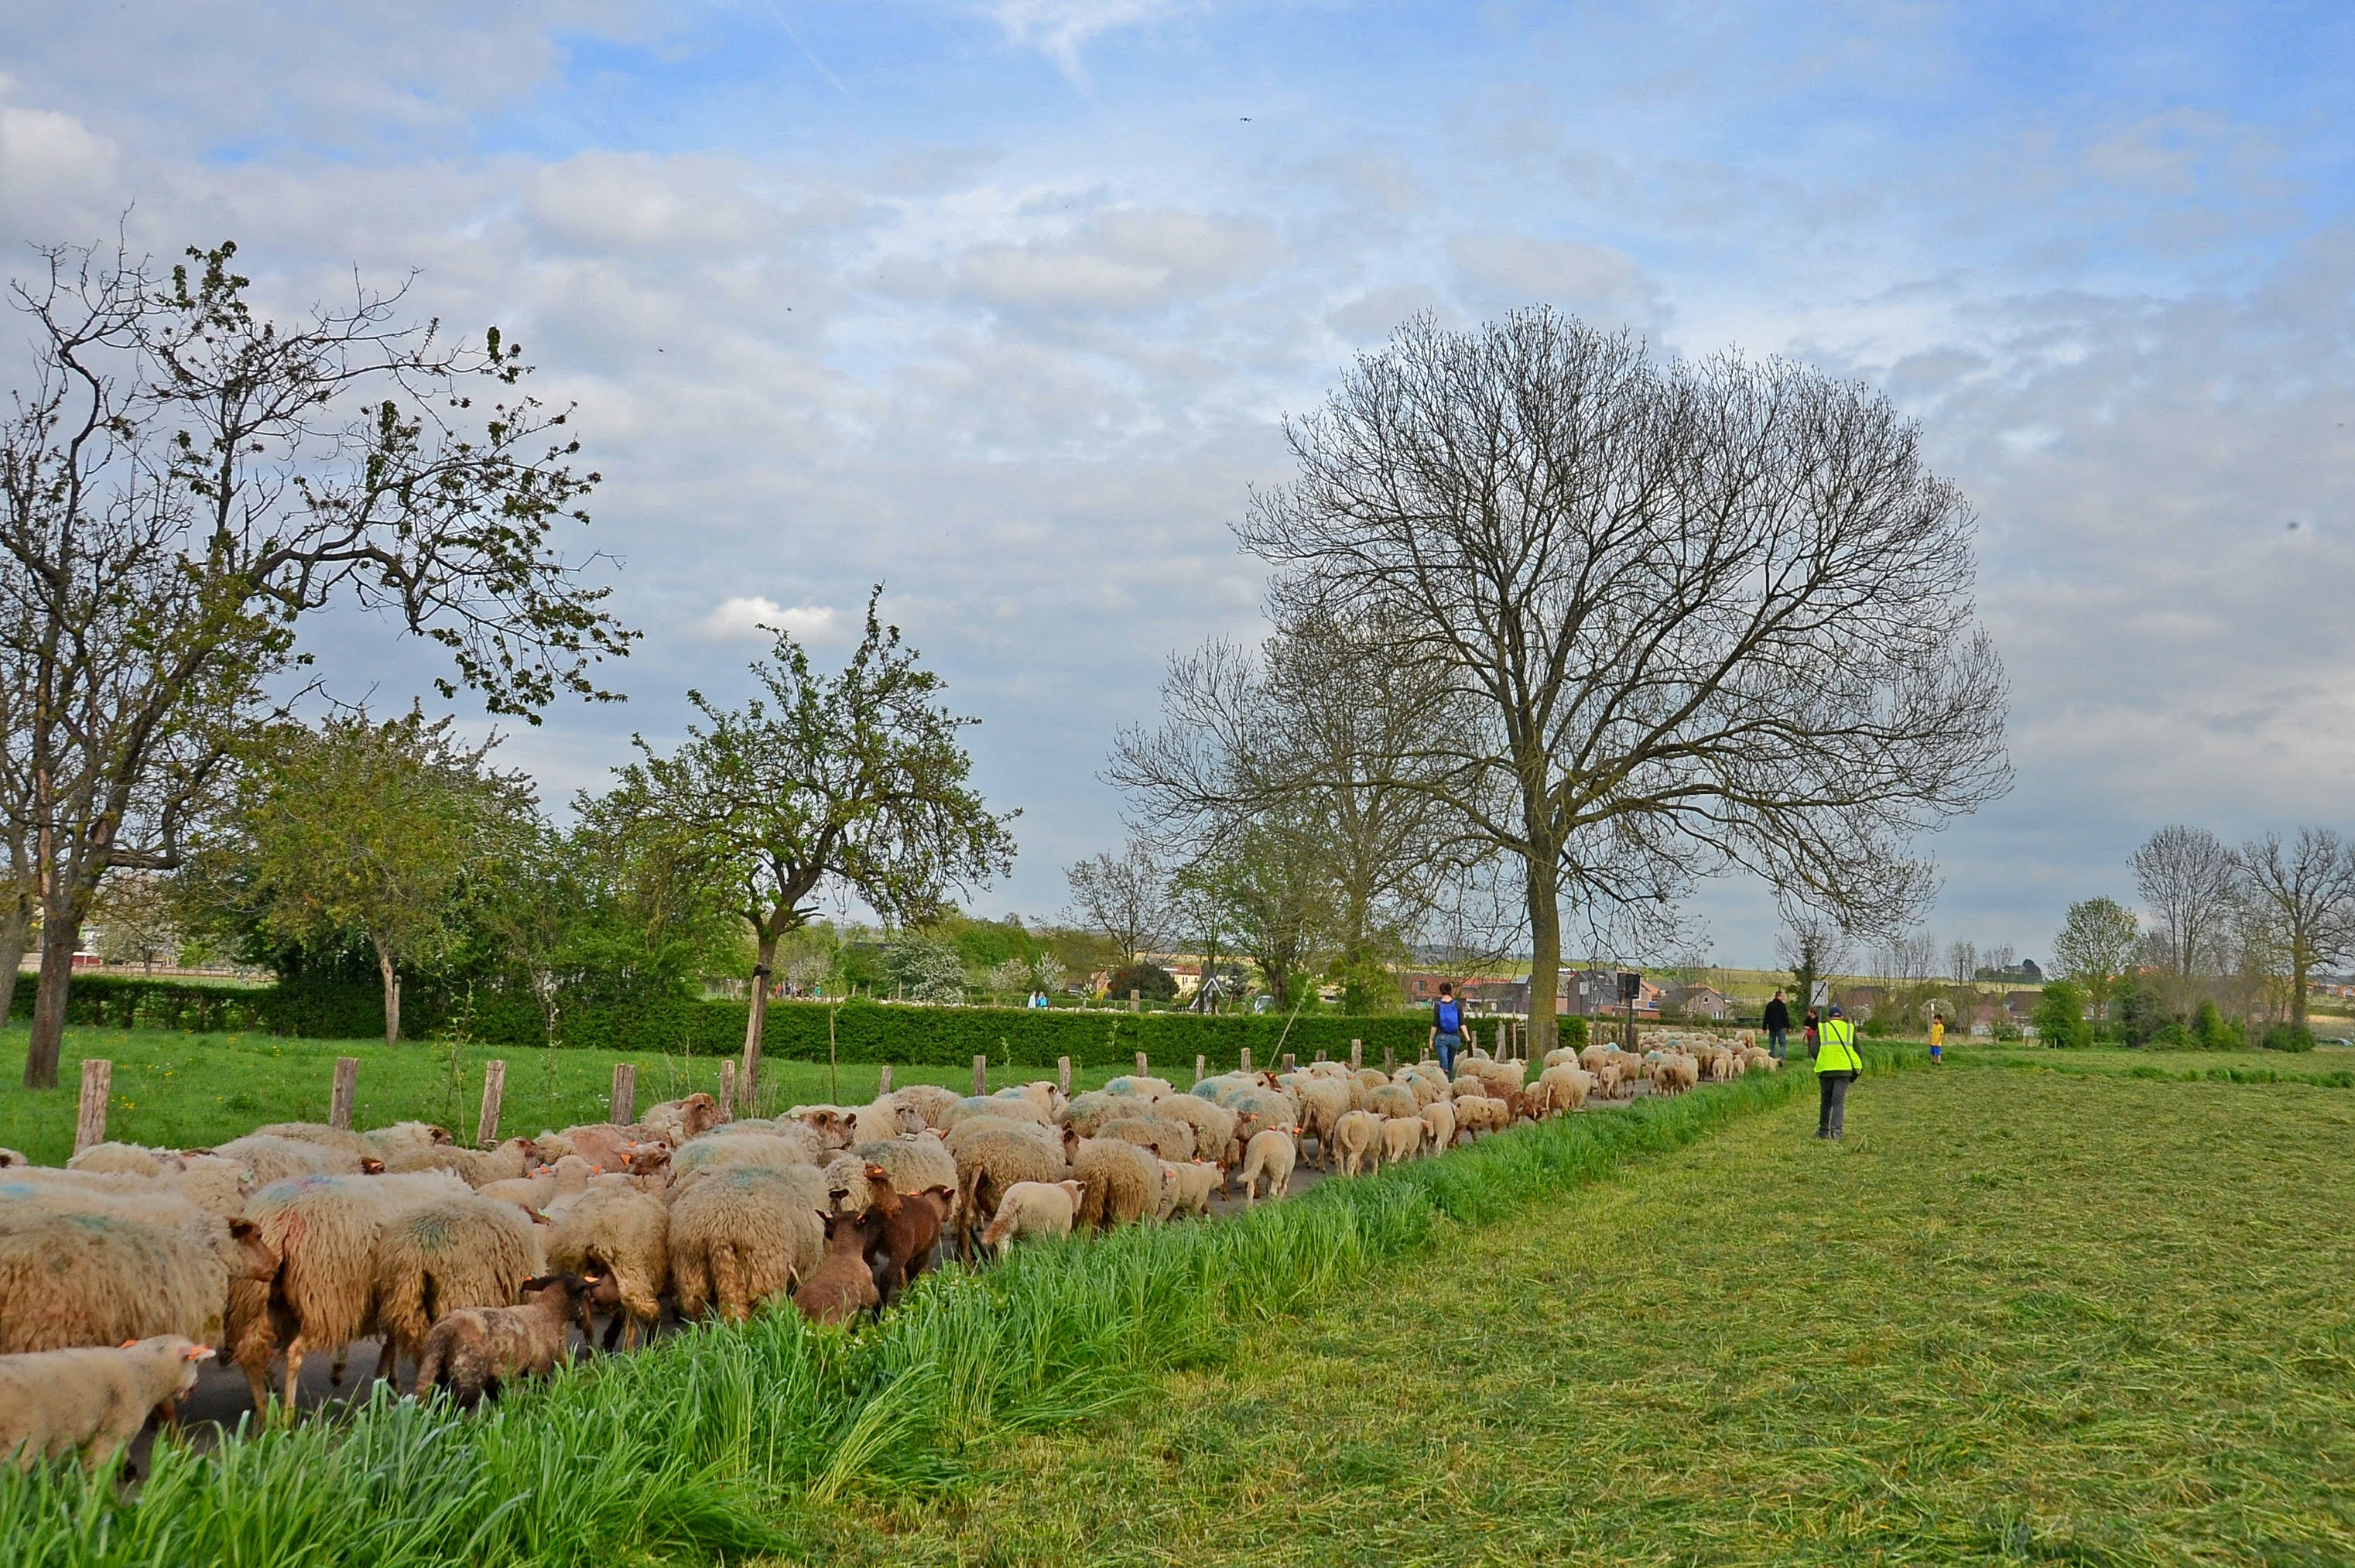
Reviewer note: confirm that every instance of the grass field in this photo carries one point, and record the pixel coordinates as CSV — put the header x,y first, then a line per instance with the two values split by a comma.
x,y
2026,1317
2334,1067
185,1090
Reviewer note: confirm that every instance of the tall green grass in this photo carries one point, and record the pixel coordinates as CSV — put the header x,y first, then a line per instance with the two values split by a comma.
x,y
701,1446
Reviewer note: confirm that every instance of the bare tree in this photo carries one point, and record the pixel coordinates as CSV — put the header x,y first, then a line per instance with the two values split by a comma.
x,y
1699,616
1324,723
2186,879
1813,948
182,480
2305,892
1962,962
1123,898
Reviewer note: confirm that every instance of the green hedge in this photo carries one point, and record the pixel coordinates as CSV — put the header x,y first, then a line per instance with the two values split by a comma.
x,y
863,1031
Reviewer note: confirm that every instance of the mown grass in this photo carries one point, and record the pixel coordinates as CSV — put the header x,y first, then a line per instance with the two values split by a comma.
x,y
720,1439
186,1091
2024,1317
2328,1067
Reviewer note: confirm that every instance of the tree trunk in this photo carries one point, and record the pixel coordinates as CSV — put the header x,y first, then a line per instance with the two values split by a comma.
x,y
15,930
1545,958
59,940
2298,965
391,996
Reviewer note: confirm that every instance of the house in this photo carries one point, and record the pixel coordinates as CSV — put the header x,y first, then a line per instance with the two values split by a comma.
x,y
2025,973
1577,992
1699,1002
1859,1001
1423,987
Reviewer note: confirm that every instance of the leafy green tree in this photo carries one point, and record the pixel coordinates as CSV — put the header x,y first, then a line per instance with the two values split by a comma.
x,y
1272,878
855,781
1151,982
183,481
373,830
2059,1016
2096,946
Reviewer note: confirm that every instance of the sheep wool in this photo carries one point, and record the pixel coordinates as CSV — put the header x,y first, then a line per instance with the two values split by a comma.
x,y
457,1251
128,1159
1439,1124
1189,1184
268,1158
929,1101
1166,1137
1402,1137
615,1230
726,1150
1357,1140
1213,1123
743,1235
1122,1181
90,1403
83,1265
1269,1157
474,1349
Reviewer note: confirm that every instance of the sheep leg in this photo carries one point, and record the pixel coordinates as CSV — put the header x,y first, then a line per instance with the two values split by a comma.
x,y
387,1361
295,1347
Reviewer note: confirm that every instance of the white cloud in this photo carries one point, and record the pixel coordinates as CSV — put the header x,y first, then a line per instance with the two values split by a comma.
x,y
749,618
1593,281
1060,29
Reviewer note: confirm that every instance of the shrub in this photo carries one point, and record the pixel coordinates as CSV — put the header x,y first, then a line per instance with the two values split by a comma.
x,y
2059,1016
1573,1033
2287,1037
1879,1026
1150,981
2006,1029
2211,1030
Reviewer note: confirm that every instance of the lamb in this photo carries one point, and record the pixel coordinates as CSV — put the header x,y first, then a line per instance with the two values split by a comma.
x,y
1593,1057
1032,1209
884,1118
901,1248
1213,1123
614,1230
1166,1137
473,1350
92,1400
1357,1139
993,1156
835,1126
674,1122
1402,1137
1043,1092
842,1284
87,1265
1477,1114
1439,1123
1187,1186
744,1233
1270,1155
11,1158
602,1144
1123,1182
469,1251
323,1229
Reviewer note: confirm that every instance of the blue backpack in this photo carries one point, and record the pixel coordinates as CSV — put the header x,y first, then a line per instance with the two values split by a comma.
x,y
1449,1015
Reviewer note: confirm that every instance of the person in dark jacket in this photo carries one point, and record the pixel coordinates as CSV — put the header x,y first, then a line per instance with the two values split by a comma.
x,y
1778,1024
1812,1020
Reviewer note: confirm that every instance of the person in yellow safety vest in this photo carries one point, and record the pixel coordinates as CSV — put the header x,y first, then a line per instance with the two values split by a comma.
x,y
1838,1065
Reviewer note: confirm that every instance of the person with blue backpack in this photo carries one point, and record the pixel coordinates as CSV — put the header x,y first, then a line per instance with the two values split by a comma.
x,y
1447,1030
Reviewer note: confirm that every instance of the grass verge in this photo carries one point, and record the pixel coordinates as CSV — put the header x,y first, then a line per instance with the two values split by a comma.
x,y
2330,1069
720,1439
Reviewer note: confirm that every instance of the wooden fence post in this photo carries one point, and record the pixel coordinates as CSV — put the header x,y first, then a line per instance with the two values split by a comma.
x,y
981,1075
1390,1059
1320,1053
1142,1068
1063,1075
1201,1068
1135,999
727,1091
883,1083
748,1077
90,1119
1288,1062
624,1110
1356,1055
1247,1059
495,1088
339,1102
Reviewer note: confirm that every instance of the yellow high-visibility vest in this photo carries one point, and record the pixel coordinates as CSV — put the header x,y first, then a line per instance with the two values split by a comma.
x,y
1836,1046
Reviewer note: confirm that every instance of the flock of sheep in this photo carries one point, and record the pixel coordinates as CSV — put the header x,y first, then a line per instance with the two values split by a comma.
x,y
119,1272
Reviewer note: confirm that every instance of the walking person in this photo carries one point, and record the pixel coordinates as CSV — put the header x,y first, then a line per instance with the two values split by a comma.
x,y
1446,1028
1810,1033
1838,1065
1778,1024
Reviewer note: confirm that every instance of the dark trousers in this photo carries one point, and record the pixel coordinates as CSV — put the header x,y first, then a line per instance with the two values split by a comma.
x,y
1833,1113
1779,1040
1448,1045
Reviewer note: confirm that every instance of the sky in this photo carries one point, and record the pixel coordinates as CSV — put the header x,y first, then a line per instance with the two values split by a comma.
x,y
999,305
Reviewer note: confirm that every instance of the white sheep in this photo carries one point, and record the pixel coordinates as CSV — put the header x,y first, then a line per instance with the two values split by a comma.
x,y
92,1400
1270,1155
1033,1209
